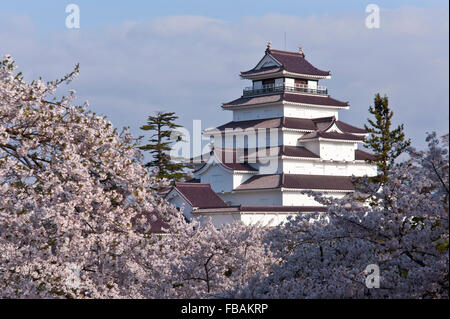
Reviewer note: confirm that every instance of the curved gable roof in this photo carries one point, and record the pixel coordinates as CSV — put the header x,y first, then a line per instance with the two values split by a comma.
x,y
293,62
199,195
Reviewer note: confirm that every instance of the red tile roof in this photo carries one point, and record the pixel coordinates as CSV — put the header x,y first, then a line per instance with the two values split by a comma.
x,y
313,99
332,135
361,155
261,182
298,181
296,63
264,70
199,195
290,122
293,62
298,151
254,100
277,122
288,97
347,128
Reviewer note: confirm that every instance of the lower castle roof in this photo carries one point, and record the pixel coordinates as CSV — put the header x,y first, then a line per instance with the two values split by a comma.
x,y
287,97
314,124
298,181
199,195
332,135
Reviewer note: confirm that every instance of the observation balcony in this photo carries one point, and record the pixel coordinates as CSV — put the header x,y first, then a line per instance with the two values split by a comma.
x,y
271,88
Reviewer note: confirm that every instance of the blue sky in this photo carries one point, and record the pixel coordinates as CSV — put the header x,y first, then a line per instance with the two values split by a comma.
x,y
185,56
101,12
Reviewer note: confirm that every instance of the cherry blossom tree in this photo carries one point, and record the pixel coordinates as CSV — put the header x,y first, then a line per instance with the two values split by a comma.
x,y
198,261
70,185
77,212
325,255
77,209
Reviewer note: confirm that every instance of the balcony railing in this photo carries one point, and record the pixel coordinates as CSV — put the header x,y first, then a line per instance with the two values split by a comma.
x,y
270,88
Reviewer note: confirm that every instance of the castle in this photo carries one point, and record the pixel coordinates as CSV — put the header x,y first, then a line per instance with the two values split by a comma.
x,y
285,138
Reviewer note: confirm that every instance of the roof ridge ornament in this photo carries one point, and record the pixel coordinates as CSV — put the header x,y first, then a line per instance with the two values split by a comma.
x,y
269,45
300,50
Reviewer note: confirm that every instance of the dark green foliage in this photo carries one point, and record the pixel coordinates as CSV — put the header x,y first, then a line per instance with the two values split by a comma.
x,y
163,127
385,143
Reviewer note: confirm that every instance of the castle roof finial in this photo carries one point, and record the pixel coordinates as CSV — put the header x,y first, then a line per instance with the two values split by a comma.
x,y
300,50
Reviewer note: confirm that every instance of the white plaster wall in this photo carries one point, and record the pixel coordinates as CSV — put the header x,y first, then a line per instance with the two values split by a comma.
x,y
313,146
250,138
308,112
247,218
253,198
262,112
312,84
363,168
337,150
289,82
218,220
178,201
266,219
220,179
299,166
291,166
293,198
291,138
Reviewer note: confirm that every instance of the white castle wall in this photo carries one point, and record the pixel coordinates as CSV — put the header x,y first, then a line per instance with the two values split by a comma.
x,y
253,198
218,219
247,139
337,151
180,203
331,150
248,218
312,84
313,167
296,198
261,112
291,137
266,219
289,82
220,179
308,112
265,112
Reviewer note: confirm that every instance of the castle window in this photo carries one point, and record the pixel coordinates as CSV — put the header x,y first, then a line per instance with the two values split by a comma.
x,y
301,83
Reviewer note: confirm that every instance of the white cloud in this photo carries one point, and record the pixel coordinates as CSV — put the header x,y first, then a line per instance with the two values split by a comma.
x,y
190,64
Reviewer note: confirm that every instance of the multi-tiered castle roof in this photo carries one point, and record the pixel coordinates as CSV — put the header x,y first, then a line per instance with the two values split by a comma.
x,y
285,138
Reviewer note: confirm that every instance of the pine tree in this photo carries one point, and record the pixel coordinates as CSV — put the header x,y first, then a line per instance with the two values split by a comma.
x,y
163,127
385,143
